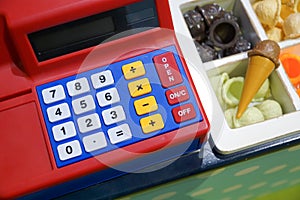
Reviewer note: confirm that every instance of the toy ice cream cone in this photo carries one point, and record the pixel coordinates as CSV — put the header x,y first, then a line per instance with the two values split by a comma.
x,y
263,59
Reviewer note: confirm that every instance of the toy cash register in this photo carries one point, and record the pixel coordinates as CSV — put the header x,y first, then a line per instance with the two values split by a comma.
x,y
86,86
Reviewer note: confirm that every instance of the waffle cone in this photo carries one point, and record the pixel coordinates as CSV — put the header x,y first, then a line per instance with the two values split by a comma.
x,y
259,69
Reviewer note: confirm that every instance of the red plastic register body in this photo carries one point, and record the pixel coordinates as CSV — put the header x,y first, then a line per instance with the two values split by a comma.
x,y
27,164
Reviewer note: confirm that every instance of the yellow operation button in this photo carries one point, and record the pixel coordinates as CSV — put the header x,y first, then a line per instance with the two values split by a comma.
x,y
133,70
139,87
152,123
145,105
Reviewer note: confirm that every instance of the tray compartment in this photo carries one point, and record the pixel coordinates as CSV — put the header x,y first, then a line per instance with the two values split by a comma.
x,y
225,27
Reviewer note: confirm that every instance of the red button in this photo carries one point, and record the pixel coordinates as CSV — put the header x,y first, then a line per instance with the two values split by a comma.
x,y
184,113
177,95
167,69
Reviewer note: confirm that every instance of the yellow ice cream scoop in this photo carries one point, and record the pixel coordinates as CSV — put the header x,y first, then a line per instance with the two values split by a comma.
x,y
268,12
291,26
275,34
288,7
263,59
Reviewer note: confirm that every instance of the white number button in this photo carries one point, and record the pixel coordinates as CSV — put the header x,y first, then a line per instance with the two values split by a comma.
x,y
94,142
64,131
89,123
69,150
119,134
58,112
113,115
78,86
83,104
102,79
108,97
53,94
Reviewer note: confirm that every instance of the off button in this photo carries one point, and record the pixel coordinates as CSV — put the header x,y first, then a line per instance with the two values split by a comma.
x,y
184,113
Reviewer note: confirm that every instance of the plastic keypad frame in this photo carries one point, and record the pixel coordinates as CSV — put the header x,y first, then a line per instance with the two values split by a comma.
x,y
116,105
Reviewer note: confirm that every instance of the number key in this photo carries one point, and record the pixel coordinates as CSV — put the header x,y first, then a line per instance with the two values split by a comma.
x,y
78,86
113,115
83,104
58,112
108,97
89,123
102,79
64,131
69,150
53,94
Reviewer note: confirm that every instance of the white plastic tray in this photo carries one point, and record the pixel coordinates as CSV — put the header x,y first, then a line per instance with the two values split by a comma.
x,y
225,139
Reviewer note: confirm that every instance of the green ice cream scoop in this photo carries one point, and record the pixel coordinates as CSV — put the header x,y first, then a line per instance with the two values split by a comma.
x,y
270,109
252,115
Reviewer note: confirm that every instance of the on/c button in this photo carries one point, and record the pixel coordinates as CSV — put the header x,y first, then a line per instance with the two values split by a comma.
x,y
177,95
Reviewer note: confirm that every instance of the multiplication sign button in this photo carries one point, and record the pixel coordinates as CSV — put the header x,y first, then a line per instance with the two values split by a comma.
x,y
69,150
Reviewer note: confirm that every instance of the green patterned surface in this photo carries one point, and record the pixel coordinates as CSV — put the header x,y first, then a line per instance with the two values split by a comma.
x,y
271,176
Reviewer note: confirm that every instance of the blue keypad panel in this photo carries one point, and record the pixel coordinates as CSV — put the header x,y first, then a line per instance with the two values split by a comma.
x,y
117,105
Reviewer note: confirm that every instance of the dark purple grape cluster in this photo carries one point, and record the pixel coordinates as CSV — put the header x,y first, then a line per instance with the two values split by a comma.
x,y
216,32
